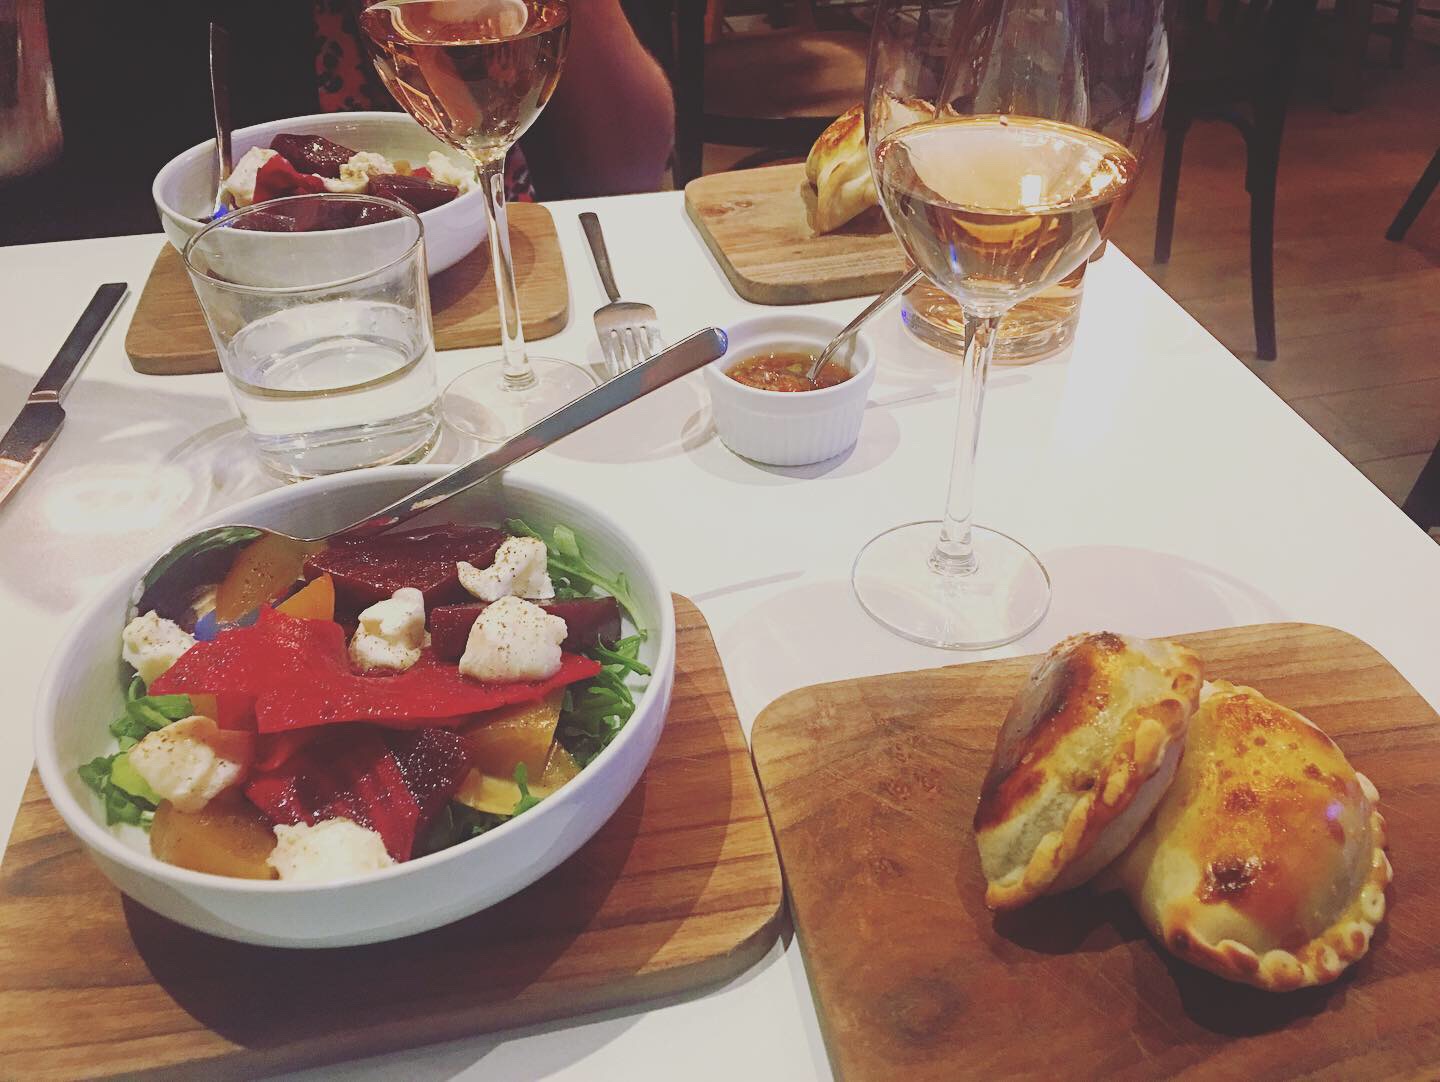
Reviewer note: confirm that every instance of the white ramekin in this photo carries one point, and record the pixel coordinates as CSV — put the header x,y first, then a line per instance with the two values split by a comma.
x,y
789,428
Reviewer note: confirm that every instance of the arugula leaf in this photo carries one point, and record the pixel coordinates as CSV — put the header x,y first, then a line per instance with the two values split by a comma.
x,y
522,780
571,572
136,690
144,714
147,714
591,715
120,806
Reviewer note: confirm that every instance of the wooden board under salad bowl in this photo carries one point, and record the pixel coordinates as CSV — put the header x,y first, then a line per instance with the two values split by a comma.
x,y
168,336
681,888
871,785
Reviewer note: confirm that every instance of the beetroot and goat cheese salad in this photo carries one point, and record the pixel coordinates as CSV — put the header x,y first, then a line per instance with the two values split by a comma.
x,y
315,713
311,164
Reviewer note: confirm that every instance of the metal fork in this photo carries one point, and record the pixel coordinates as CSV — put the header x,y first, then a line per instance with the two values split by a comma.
x,y
628,332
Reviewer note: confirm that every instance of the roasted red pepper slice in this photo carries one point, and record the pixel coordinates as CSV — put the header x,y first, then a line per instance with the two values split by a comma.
x,y
278,178
428,693
299,673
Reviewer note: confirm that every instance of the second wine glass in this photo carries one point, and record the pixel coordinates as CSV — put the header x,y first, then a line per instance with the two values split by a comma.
x,y
1003,136
477,73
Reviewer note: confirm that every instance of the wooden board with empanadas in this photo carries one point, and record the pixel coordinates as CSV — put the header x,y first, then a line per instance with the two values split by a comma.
x,y
872,784
789,234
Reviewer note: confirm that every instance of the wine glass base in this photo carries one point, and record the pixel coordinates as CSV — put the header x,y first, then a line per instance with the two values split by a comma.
x,y
480,404
1005,596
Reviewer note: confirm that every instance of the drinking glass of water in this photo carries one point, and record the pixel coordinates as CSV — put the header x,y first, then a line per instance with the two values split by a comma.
x,y
324,335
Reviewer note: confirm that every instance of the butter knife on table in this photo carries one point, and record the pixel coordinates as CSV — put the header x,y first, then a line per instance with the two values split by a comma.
x,y
42,415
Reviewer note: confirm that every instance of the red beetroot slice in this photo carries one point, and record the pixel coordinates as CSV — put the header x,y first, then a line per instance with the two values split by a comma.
x,y
586,620
278,178
418,193
429,693
352,775
433,763
371,570
312,153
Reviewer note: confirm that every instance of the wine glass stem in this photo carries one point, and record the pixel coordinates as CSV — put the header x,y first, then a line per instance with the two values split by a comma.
x,y
953,554
518,373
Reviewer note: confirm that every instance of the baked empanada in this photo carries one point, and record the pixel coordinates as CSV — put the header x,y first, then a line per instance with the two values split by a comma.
x,y
1265,861
1083,757
838,166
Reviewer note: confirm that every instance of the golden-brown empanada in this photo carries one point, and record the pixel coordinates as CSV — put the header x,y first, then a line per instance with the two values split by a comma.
x,y
1265,861
1083,757
838,166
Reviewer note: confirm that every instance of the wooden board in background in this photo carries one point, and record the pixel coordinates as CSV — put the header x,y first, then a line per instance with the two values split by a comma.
x,y
168,337
680,889
871,785
756,223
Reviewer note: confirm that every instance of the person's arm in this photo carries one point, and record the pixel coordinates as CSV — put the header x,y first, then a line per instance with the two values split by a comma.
x,y
611,124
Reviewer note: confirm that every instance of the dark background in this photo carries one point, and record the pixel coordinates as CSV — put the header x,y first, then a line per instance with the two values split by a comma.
x,y
132,78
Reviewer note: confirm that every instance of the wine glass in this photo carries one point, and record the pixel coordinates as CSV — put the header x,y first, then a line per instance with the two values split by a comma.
x,y
477,73
1003,137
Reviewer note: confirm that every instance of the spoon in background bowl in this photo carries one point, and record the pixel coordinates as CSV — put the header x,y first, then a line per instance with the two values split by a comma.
x,y
224,202
199,558
900,285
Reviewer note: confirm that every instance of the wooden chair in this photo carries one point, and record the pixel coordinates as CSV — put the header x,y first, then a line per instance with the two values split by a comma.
x,y
1237,67
775,90
1415,201
1423,503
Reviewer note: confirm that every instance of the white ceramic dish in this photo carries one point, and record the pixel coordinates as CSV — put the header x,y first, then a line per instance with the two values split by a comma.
x,y
83,689
790,428
184,188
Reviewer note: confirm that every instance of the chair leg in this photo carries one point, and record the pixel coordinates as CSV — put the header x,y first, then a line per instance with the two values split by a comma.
x,y
1261,170
1404,20
1415,201
1169,189
1423,503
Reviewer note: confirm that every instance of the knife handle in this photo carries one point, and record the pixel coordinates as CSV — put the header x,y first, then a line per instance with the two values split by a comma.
x,y
92,321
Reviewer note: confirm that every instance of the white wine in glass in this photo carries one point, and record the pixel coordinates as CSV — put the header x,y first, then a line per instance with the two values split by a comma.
x,y
477,73
999,183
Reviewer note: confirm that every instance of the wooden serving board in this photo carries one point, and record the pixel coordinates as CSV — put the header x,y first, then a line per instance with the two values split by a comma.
x,y
168,336
871,785
757,224
680,888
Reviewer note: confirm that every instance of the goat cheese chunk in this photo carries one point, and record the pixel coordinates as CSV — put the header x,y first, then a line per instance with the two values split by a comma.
x,y
329,850
513,640
519,570
444,169
181,765
391,633
151,644
241,181
355,174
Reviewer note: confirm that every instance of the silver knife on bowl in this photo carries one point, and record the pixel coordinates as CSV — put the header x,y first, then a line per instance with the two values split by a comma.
x,y
42,415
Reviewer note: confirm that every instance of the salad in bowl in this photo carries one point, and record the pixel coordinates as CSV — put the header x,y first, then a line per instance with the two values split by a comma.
x,y
305,720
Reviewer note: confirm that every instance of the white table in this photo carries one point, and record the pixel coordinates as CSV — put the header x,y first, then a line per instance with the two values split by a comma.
x,y
1166,488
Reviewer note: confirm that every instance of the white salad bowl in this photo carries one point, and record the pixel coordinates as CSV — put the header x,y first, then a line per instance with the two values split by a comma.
x,y
790,428
83,690
184,190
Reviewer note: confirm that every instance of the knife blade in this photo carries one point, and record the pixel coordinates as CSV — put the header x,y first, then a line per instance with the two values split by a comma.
x,y
42,415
